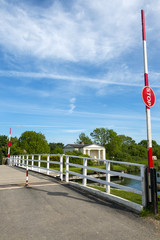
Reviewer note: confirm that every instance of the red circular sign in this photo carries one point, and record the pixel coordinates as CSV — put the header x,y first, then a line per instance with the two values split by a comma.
x,y
148,96
9,144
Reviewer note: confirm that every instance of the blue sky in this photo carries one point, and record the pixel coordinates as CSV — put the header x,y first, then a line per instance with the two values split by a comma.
x,y
70,66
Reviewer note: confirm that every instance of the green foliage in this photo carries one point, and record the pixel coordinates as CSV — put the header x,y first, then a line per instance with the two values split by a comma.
x,y
85,139
33,143
3,147
78,160
56,148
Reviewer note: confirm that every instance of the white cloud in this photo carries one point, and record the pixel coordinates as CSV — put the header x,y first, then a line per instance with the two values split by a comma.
x,y
93,30
72,100
73,130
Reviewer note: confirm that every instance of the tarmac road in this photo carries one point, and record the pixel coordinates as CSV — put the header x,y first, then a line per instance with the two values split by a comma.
x,y
50,210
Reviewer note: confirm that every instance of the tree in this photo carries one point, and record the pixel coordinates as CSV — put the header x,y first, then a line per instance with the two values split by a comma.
x,y
85,139
34,143
3,147
143,143
107,138
56,148
125,140
100,136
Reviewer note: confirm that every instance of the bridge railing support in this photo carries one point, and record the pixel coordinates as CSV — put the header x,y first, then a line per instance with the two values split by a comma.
x,y
84,171
108,176
48,166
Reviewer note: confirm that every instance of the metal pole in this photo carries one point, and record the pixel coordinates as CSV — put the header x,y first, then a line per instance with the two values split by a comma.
x,y
146,82
9,143
152,190
27,171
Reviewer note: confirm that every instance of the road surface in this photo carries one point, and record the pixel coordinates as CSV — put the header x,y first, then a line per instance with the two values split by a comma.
x,y
50,210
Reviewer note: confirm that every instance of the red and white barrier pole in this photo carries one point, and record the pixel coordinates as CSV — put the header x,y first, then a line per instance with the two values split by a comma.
x,y
26,175
9,143
27,171
146,83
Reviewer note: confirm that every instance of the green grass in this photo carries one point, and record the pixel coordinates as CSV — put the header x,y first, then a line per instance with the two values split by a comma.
x,y
121,193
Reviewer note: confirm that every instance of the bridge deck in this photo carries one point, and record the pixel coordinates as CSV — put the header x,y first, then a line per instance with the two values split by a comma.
x,y
52,210
10,176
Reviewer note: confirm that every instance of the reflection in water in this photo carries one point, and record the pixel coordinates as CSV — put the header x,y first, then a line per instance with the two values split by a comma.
x,y
126,182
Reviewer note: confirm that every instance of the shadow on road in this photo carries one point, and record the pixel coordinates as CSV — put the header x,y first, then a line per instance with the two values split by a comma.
x,y
86,197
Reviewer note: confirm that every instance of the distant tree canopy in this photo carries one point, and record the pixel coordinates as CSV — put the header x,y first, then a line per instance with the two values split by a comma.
x,y
118,147
56,148
33,143
83,138
3,147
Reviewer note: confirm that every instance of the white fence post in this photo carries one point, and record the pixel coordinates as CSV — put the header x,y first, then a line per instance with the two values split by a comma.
x,y
23,161
19,160
32,162
143,186
39,163
48,158
107,176
61,167
67,169
27,171
84,172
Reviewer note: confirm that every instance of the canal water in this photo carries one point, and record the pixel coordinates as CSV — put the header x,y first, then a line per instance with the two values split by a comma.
x,y
127,182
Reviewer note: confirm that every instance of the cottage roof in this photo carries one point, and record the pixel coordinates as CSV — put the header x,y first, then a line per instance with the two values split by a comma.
x,y
77,145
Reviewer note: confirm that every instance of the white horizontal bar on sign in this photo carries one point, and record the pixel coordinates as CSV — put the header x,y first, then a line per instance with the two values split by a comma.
x,y
139,178
125,188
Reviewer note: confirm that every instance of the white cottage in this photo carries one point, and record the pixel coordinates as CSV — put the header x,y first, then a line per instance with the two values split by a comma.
x,y
93,150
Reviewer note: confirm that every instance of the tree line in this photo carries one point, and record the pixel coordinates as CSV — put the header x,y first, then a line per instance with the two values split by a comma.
x,y
118,147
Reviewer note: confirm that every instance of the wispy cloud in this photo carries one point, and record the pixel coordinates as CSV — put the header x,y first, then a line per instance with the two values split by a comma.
x,y
73,130
121,77
83,33
72,105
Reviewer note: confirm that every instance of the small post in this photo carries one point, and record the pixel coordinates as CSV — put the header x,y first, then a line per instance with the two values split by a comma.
x,y
67,169
143,186
16,160
32,162
23,161
27,171
107,176
61,167
19,160
84,172
39,163
48,158
154,190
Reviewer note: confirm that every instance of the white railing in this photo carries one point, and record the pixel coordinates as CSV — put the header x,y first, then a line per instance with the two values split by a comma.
x,y
107,182
35,164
